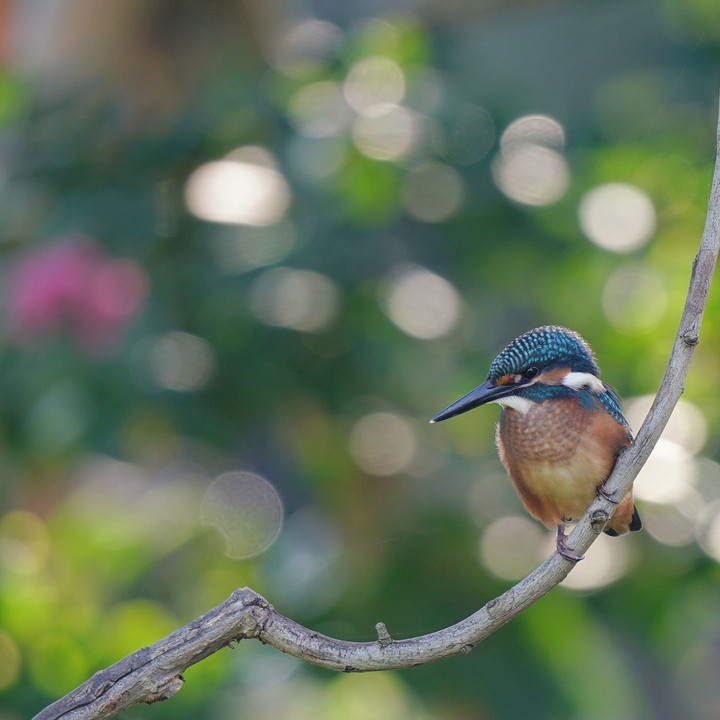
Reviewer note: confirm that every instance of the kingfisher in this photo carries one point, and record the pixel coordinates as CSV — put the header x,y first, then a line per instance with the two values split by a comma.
x,y
561,429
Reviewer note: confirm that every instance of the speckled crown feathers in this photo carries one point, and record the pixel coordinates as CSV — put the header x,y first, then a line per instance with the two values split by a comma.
x,y
549,345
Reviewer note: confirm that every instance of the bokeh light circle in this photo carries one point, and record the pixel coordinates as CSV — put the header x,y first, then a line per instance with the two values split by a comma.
x,y
617,217
468,135
634,298
386,132
687,426
374,81
606,561
433,192
10,662
306,48
25,543
382,443
246,510
670,525
422,304
533,130
511,546
244,188
319,110
708,533
302,300
532,174
181,361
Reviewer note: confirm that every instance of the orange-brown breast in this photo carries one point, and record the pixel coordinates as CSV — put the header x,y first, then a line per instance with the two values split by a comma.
x,y
557,454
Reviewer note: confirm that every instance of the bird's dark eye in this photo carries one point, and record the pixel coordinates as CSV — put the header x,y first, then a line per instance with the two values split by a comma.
x,y
530,373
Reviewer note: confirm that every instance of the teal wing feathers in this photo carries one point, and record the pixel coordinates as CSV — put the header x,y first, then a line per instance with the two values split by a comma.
x,y
611,402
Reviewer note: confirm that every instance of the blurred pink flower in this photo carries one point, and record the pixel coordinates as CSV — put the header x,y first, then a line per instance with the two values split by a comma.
x,y
72,286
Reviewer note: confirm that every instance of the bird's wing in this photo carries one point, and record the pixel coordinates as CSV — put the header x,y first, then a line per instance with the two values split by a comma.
x,y
611,402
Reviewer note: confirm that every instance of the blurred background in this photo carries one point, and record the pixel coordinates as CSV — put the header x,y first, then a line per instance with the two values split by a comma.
x,y
250,247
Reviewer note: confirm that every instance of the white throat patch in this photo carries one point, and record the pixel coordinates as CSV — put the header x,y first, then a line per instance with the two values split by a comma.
x,y
582,380
522,405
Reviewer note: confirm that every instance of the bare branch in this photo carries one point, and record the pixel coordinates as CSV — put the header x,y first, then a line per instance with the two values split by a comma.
x,y
155,673
672,385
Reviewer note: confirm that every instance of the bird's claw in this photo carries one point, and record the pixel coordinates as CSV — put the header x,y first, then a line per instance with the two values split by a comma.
x,y
602,491
562,548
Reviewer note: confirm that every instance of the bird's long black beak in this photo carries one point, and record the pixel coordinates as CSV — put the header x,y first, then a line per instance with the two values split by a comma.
x,y
487,392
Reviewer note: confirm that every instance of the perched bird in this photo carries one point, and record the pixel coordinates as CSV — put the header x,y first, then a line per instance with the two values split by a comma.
x,y
560,431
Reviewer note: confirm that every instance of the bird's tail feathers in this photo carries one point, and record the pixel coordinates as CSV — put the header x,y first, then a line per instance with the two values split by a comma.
x,y
634,526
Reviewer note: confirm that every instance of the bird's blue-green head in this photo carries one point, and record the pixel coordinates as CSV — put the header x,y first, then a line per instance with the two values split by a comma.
x,y
549,361
544,348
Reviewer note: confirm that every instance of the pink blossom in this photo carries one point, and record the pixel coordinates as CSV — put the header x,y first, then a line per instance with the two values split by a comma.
x,y
71,286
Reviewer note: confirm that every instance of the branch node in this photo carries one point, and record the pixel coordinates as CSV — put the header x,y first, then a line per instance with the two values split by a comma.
x,y
247,596
166,691
251,623
690,338
384,638
502,604
598,521
465,649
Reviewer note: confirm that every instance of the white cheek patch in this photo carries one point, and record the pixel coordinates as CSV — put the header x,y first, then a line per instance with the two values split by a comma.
x,y
581,380
522,405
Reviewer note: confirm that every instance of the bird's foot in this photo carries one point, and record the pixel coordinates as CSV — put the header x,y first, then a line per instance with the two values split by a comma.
x,y
562,548
602,491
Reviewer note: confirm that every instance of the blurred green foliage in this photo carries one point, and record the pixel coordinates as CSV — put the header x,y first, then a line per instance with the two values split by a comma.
x,y
390,237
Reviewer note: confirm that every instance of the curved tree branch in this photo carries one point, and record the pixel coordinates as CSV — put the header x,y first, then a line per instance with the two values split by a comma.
x,y
155,672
